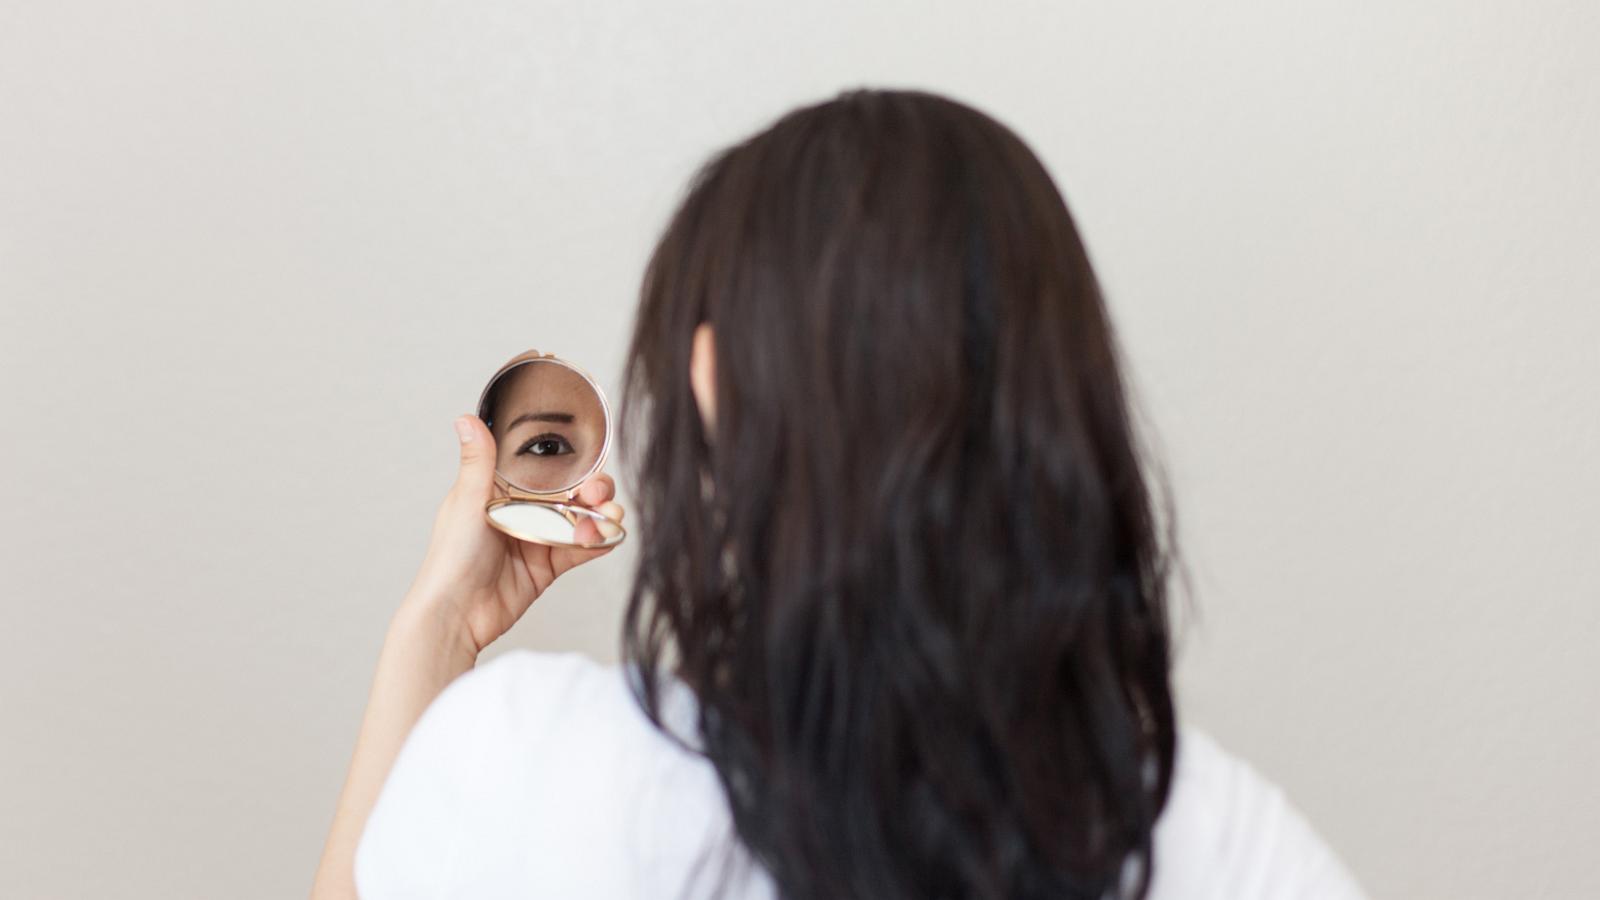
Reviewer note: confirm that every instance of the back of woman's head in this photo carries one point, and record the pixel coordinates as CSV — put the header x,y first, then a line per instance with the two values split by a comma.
x,y
912,569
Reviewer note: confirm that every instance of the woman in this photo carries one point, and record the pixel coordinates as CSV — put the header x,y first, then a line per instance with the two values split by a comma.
x,y
899,621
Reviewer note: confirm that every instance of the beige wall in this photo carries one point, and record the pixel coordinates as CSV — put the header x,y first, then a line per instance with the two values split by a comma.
x,y
253,259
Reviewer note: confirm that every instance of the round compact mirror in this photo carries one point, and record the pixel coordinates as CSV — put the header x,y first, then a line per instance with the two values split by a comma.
x,y
552,429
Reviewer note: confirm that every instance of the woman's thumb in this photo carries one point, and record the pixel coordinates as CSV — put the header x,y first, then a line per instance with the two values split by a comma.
x,y
477,456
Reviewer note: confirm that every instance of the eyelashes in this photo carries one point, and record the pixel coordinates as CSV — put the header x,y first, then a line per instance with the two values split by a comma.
x,y
547,444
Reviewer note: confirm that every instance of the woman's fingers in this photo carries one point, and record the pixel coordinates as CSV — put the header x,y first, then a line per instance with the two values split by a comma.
x,y
596,494
587,531
597,490
563,559
476,475
613,512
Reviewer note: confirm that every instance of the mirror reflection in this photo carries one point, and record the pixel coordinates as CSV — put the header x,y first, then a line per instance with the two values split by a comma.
x,y
548,424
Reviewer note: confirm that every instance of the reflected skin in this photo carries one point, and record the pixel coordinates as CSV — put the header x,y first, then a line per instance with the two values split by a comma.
x,y
548,426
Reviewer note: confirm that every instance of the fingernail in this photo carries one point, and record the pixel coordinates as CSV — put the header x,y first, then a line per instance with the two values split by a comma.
x,y
464,429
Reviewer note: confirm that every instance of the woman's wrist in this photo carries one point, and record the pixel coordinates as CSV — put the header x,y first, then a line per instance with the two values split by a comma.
x,y
435,626
428,645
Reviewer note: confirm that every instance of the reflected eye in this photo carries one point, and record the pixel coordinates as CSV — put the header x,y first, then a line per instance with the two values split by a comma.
x,y
549,444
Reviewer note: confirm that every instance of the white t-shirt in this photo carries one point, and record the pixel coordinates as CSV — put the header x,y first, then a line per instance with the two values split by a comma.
x,y
537,775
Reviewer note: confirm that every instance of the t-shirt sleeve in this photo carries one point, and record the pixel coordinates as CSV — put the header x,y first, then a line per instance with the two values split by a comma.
x,y
1231,829
448,778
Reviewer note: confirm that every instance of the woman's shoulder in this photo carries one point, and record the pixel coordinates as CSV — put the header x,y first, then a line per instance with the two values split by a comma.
x,y
522,691
1229,831
539,769
556,700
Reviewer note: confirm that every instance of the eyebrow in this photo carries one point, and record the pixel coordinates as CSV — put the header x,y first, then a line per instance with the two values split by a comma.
x,y
543,416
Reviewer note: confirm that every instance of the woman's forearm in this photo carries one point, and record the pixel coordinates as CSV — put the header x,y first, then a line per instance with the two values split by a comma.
x,y
424,650
473,585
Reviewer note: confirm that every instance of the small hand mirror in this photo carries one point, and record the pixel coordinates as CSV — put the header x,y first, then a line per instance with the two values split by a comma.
x,y
552,429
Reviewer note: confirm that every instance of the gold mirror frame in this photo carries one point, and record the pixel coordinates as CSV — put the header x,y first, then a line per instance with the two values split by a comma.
x,y
561,500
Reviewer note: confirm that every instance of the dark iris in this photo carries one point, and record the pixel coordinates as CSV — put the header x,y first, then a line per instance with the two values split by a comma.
x,y
547,445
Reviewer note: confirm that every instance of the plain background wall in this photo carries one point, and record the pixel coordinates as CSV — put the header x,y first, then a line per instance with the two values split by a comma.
x,y
255,256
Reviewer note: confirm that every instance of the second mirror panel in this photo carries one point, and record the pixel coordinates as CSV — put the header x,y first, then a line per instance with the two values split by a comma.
x,y
560,524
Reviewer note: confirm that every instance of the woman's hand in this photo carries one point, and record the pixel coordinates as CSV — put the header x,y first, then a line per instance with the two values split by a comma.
x,y
480,579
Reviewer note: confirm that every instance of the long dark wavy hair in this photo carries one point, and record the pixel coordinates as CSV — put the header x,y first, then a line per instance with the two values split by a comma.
x,y
914,575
